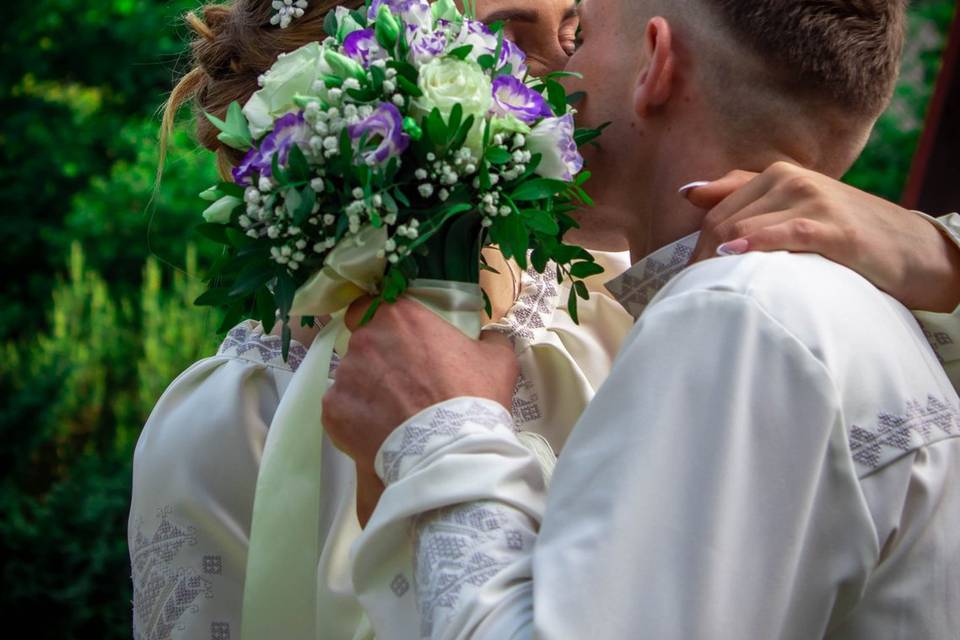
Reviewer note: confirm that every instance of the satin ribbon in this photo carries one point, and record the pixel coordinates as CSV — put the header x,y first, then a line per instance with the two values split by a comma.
x,y
282,593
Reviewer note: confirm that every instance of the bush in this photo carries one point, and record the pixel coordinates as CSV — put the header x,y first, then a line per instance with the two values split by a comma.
x,y
76,398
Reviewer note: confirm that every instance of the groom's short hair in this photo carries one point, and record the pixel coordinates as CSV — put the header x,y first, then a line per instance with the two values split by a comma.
x,y
844,51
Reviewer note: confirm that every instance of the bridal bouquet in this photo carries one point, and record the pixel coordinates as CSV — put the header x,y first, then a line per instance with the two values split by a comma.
x,y
393,150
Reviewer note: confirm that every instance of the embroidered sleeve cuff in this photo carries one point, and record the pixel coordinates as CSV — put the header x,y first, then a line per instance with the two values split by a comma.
x,y
432,429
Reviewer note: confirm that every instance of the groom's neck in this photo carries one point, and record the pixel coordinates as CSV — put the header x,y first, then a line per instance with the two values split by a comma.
x,y
660,214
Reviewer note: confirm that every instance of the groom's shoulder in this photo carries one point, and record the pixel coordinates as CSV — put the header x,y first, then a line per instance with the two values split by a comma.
x,y
818,301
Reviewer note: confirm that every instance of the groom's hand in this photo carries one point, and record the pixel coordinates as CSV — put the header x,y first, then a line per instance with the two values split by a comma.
x,y
403,361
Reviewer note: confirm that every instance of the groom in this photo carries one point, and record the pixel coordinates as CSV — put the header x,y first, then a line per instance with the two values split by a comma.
x,y
776,453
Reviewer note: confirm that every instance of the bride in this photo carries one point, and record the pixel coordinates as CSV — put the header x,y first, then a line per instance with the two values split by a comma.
x,y
196,464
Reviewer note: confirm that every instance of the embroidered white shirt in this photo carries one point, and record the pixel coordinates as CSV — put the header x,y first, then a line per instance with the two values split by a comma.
x,y
776,454
196,463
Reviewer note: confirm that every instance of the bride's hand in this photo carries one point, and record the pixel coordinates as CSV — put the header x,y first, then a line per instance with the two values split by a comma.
x,y
794,209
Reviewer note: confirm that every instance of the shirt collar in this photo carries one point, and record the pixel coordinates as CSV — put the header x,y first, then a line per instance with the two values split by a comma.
x,y
636,287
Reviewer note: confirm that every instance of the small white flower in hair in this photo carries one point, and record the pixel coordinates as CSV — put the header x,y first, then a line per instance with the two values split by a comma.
x,y
287,11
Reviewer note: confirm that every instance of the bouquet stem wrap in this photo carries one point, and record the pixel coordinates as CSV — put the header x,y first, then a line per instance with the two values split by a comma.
x,y
283,597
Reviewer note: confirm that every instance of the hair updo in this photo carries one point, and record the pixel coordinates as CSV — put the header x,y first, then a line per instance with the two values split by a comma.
x,y
233,44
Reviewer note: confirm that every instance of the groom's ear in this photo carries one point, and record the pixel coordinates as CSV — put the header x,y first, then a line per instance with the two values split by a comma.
x,y
655,83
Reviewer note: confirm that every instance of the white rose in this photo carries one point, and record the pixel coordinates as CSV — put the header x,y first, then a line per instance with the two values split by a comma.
x,y
446,82
292,74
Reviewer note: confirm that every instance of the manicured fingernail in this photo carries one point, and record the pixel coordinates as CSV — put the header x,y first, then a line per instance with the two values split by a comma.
x,y
687,188
734,248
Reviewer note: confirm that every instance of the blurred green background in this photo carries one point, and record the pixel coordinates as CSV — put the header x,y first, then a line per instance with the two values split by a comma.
x,y
97,316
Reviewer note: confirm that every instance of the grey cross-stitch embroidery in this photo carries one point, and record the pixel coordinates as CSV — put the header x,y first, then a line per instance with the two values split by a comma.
x,y
893,435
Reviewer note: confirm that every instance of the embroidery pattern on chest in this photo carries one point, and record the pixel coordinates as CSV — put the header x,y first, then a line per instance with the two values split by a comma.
x,y
535,306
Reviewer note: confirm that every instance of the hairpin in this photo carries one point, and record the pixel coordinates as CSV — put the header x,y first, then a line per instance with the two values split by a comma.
x,y
287,11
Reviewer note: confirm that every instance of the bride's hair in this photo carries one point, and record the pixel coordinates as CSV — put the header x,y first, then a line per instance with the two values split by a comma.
x,y
233,44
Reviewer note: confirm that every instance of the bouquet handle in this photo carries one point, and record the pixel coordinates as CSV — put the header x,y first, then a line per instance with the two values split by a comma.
x,y
282,596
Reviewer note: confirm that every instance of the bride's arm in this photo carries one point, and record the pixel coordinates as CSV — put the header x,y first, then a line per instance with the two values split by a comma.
x,y
194,474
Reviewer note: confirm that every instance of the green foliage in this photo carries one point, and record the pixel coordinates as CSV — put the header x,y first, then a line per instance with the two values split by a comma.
x,y
75,399
885,164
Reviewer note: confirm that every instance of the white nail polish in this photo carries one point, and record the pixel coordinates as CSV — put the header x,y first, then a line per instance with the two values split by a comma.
x,y
687,188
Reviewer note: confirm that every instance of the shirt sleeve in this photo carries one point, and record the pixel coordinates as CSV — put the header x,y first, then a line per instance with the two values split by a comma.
x,y
194,476
943,329
711,495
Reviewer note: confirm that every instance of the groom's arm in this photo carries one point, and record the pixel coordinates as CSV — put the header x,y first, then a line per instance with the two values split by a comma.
x,y
703,494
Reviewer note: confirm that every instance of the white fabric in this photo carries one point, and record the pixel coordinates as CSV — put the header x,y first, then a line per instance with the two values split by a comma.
x,y
943,329
775,455
196,463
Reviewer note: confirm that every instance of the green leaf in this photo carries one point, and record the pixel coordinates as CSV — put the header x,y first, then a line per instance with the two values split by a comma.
x,y
486,61
487,305
461,52
453,122
436,128
585,136
572,306
330,24
585,269
232,316
582,290
237,238
408,87
285,338
266,309
405,70
378,75
253,276
299,169
513,239
555,75
539,259
308,198
216,297
285,291
538,189
213,231
497,155
462,134
235,131
231,189
278,175
556,97
541,221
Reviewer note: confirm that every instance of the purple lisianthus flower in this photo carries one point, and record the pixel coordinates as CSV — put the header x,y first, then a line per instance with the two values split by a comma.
x,y
243,174
383,127
425,45
362,46
485,41
479,35
514,56
553,139
513,98
412,12
289,130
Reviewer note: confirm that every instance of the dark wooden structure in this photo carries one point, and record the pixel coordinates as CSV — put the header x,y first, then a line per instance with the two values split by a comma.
x,y
934,183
